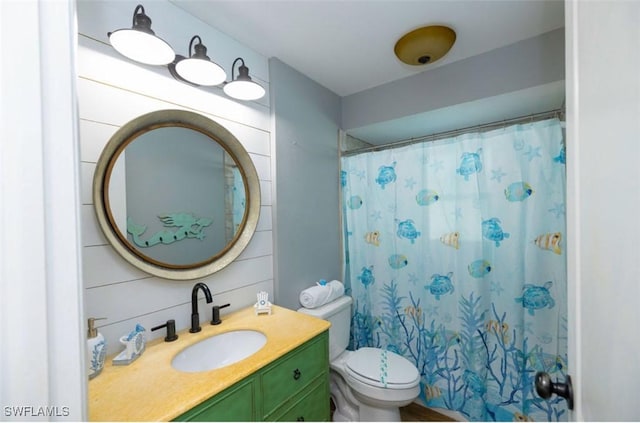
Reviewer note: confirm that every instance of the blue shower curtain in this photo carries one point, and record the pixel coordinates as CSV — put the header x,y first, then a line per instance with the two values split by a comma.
x,y
455,259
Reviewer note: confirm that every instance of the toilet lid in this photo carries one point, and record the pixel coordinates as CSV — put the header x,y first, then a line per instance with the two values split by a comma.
x,y
378,367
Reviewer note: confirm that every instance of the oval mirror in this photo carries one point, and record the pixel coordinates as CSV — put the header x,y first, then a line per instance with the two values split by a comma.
x,y
176,194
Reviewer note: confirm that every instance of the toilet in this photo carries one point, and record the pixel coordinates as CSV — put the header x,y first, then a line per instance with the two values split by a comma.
x,y
369,384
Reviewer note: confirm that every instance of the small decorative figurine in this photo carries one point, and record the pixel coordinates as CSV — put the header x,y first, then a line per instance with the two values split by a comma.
x,y
134,343
263,305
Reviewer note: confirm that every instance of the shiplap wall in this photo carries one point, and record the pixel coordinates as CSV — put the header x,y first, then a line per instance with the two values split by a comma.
x,y
112,91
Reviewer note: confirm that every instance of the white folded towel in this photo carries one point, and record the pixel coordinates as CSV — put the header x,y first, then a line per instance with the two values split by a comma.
x,y
319,295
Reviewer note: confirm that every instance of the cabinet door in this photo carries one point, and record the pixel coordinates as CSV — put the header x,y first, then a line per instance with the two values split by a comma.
x,y
236,403
289,375
312,407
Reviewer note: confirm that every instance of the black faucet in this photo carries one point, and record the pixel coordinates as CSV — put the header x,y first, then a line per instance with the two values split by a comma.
x,y
195,317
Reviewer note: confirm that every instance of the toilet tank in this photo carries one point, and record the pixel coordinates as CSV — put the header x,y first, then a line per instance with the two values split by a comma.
x,y
338,312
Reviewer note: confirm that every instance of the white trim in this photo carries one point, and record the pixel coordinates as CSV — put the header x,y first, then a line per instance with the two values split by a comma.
x,y
573,205
42,354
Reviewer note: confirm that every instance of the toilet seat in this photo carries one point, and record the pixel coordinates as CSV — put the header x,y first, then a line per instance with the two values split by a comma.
x,y
382,369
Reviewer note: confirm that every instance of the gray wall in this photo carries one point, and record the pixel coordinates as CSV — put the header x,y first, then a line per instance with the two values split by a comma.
x,y
517,68
307,242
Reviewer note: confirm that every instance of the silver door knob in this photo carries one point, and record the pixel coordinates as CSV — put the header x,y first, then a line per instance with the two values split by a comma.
x,y
545,387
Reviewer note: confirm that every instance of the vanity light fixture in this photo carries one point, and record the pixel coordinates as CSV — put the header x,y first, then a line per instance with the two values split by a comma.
x,y
197,69
140,42
142,45
242,87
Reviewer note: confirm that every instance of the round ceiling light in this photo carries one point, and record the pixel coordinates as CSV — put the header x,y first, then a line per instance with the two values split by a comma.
x,y
425,45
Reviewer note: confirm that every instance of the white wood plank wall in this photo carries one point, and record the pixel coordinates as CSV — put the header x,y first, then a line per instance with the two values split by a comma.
x,y
113,91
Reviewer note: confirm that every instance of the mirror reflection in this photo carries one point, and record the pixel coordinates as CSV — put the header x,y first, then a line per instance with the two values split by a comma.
x,y
176,194
183,199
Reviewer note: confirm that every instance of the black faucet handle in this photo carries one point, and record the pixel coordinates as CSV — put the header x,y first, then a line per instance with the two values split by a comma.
x,y
215,317
171,330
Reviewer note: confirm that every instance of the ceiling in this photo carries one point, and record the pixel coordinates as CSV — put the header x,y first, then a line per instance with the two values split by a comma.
x,y
347,46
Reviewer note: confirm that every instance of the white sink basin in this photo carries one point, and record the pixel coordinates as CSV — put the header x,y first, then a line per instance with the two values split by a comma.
x,y
219,351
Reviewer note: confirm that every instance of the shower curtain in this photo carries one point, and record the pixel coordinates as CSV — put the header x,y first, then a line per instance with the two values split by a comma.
x,y
454,257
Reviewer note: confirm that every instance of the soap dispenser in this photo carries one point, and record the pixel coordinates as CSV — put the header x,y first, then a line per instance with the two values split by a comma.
x,y
96,348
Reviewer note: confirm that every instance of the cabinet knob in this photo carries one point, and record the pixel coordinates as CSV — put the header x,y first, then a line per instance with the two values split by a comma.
x,y
296,374
300,419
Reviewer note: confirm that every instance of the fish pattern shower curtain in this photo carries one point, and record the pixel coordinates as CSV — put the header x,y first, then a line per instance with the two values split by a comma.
x,y
455,259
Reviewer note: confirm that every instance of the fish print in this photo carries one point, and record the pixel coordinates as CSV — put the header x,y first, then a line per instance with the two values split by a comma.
x,y
406,229
545,362
549,242
519,417
415,313
535,297
343,178
492,230
452,239
470,163
431,392
479,268
354,202
398,261
386,175
427,197
366,276
474,382
501,330
440,285
562,156
518,191
372,238
545,338
446,338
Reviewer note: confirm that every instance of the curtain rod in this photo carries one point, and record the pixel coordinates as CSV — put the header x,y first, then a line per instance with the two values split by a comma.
x,y
483,127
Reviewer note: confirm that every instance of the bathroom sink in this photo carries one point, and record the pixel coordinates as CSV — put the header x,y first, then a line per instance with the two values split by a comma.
x,y
219,351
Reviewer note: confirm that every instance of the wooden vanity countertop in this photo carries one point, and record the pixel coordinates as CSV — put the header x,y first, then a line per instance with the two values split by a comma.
x,y
150,389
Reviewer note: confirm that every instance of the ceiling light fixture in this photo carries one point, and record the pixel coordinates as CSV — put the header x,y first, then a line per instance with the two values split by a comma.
x,y
425,45
140,42
198,69
243,88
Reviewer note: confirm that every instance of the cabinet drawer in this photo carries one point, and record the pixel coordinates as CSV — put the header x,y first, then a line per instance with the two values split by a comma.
x,y
294,371
234,404
314,406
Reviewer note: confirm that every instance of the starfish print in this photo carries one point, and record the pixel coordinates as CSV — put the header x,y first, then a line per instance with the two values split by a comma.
x,y
437,165
497,174
410,183
558,209
496,287
431,310
532,152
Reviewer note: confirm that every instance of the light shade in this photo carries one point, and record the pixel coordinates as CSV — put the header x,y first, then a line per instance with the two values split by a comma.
x,y
425,45
140,43
198,68
243,88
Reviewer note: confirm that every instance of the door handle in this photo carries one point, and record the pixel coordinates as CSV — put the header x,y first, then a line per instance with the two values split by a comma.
x,y
545,387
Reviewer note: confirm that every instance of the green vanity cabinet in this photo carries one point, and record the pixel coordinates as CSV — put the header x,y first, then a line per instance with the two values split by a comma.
x,y
230,405
294,387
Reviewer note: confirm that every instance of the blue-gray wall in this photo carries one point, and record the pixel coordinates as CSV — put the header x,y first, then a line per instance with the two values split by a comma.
x,y
522,78
306,120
